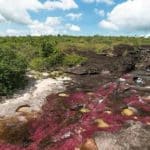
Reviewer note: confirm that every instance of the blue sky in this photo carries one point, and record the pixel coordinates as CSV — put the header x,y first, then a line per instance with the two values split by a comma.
x,y
75,17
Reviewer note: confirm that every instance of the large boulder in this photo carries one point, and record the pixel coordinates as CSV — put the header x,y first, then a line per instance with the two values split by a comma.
x,y
134,137
122,49
128,56
144,62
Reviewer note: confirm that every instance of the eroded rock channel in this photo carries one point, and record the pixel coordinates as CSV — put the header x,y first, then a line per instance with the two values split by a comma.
x,y
106,106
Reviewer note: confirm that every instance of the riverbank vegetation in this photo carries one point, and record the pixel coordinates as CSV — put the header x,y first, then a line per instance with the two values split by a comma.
x,y
46,53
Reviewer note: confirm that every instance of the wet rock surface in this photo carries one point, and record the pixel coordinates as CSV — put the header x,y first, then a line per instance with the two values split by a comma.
x,y
134,62
101,69
89,70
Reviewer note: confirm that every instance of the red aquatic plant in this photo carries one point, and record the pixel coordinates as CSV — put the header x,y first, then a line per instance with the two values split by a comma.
x,y
66,122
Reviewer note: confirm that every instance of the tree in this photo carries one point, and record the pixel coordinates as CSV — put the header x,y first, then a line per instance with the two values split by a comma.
x,y
12,71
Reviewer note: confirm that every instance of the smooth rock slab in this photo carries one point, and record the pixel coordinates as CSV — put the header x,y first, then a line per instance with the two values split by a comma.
x,y
135,137
34,98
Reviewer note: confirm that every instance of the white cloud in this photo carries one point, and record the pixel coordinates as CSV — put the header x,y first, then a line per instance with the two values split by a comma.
x,y
73,27
17,10
129,15
53,21
108,25
50,26
100,12
147,35
88,1
12,32
109,2
74,16
2,19
60,4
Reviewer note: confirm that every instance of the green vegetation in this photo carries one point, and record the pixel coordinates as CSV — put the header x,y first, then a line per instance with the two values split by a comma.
x,y
46,53
46,49
73,59
30,46
12,71
48,58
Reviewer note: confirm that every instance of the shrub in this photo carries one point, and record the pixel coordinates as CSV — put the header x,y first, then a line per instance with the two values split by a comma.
x,y
73,59
12,71
42,64
38,64
47,49
48,57
55,59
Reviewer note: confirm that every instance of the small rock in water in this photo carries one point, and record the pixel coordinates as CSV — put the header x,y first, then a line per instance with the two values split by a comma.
x,y
138,80
90,93
63,95
133,109
122,79
89,145
148,68
105,72
108,112
101,123
146,98
127,112
45,74
84,110
66,135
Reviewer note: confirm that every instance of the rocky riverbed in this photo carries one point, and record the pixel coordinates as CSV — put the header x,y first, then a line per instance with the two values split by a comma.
x,y
103,105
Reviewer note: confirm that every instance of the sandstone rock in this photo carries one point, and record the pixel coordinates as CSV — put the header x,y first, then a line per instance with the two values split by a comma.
x,y
101,123
22,119
90,93
45,74
63,95
84,110
127,112
108,112
24,109
146,98
81,70
89,145
135,137
105,72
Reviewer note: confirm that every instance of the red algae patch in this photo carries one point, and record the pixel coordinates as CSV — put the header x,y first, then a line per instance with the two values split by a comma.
x,y
68,121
